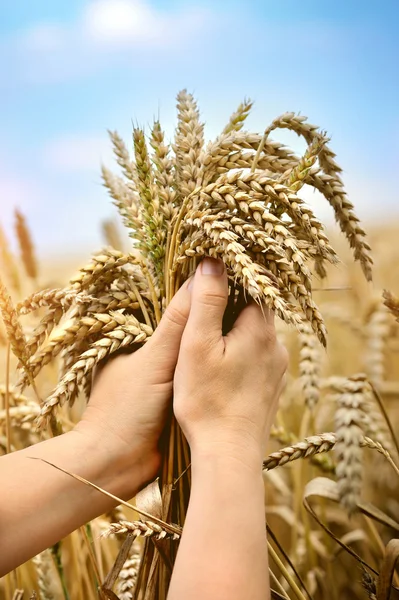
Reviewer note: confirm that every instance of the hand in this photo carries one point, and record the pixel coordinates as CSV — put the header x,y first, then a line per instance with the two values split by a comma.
x,y
226,388
129,403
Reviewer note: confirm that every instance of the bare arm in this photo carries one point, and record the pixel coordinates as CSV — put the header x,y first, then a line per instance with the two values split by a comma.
x,y
41,505
115,446
226,396
223,552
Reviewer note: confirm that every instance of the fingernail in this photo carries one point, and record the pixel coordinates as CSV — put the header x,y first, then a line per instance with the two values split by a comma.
x,y
211,266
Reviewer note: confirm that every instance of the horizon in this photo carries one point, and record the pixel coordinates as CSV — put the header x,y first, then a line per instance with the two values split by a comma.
x,y
73,70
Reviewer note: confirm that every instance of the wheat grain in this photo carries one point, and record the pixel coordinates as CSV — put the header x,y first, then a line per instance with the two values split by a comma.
x,y
51,298
188,145
152,217
352,402
141,528
392,303
7,263
296,178
46,575
46,325
101,264
112,235
127,579
309,365
377,331
12,325
26,247
315,444
163,173
132,332
312,446
72,332
127,201
238,117
123,157
15,397
343,209
21,416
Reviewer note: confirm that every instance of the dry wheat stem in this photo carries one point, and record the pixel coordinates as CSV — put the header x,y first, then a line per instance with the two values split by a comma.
x,y
236,199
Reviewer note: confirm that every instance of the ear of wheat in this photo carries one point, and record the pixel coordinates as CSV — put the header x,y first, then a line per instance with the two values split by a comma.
x,y
237,199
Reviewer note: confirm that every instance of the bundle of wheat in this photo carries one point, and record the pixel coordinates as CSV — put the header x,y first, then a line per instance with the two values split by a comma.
x,y
235,199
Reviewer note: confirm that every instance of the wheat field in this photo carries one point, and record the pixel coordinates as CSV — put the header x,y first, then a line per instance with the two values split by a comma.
x,y
332,474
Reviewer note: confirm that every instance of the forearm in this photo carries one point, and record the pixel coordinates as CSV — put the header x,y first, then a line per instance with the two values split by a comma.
x,y
41,505
223,551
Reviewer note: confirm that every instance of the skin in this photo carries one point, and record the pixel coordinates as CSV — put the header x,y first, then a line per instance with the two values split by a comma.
x,y
225,390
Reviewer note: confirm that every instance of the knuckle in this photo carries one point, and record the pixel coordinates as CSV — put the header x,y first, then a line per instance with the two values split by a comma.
x,y
175,316
212,299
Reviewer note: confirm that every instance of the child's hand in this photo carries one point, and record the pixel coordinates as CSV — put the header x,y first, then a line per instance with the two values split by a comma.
x,y
226,388
131,395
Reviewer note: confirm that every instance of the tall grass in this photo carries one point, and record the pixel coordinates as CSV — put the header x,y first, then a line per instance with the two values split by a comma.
x,y
236,198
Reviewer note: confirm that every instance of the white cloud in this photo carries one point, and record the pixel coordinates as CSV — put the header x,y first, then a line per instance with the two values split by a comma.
x,y
132,22
103,31
119,20
72,153
43,37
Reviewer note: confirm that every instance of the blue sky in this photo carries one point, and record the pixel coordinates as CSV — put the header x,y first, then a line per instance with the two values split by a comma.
x,y
70,70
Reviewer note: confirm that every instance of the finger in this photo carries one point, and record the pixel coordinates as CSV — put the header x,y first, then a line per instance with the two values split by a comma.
x,y
165,341
208,298
254,324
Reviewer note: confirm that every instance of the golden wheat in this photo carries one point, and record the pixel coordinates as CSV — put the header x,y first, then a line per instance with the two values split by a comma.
x,y
236,198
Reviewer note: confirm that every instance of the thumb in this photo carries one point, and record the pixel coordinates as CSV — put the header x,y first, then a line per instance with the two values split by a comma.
x,y
164,343
208,298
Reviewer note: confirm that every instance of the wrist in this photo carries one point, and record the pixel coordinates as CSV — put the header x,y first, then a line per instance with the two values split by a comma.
x,y
237,454
122,469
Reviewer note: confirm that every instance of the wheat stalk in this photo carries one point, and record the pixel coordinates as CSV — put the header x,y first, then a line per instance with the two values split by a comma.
x,y
309,365
127,578
352,399
132,332
7,263
392,303
12,325
112,235
236,198
141,528
314,445
26,246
